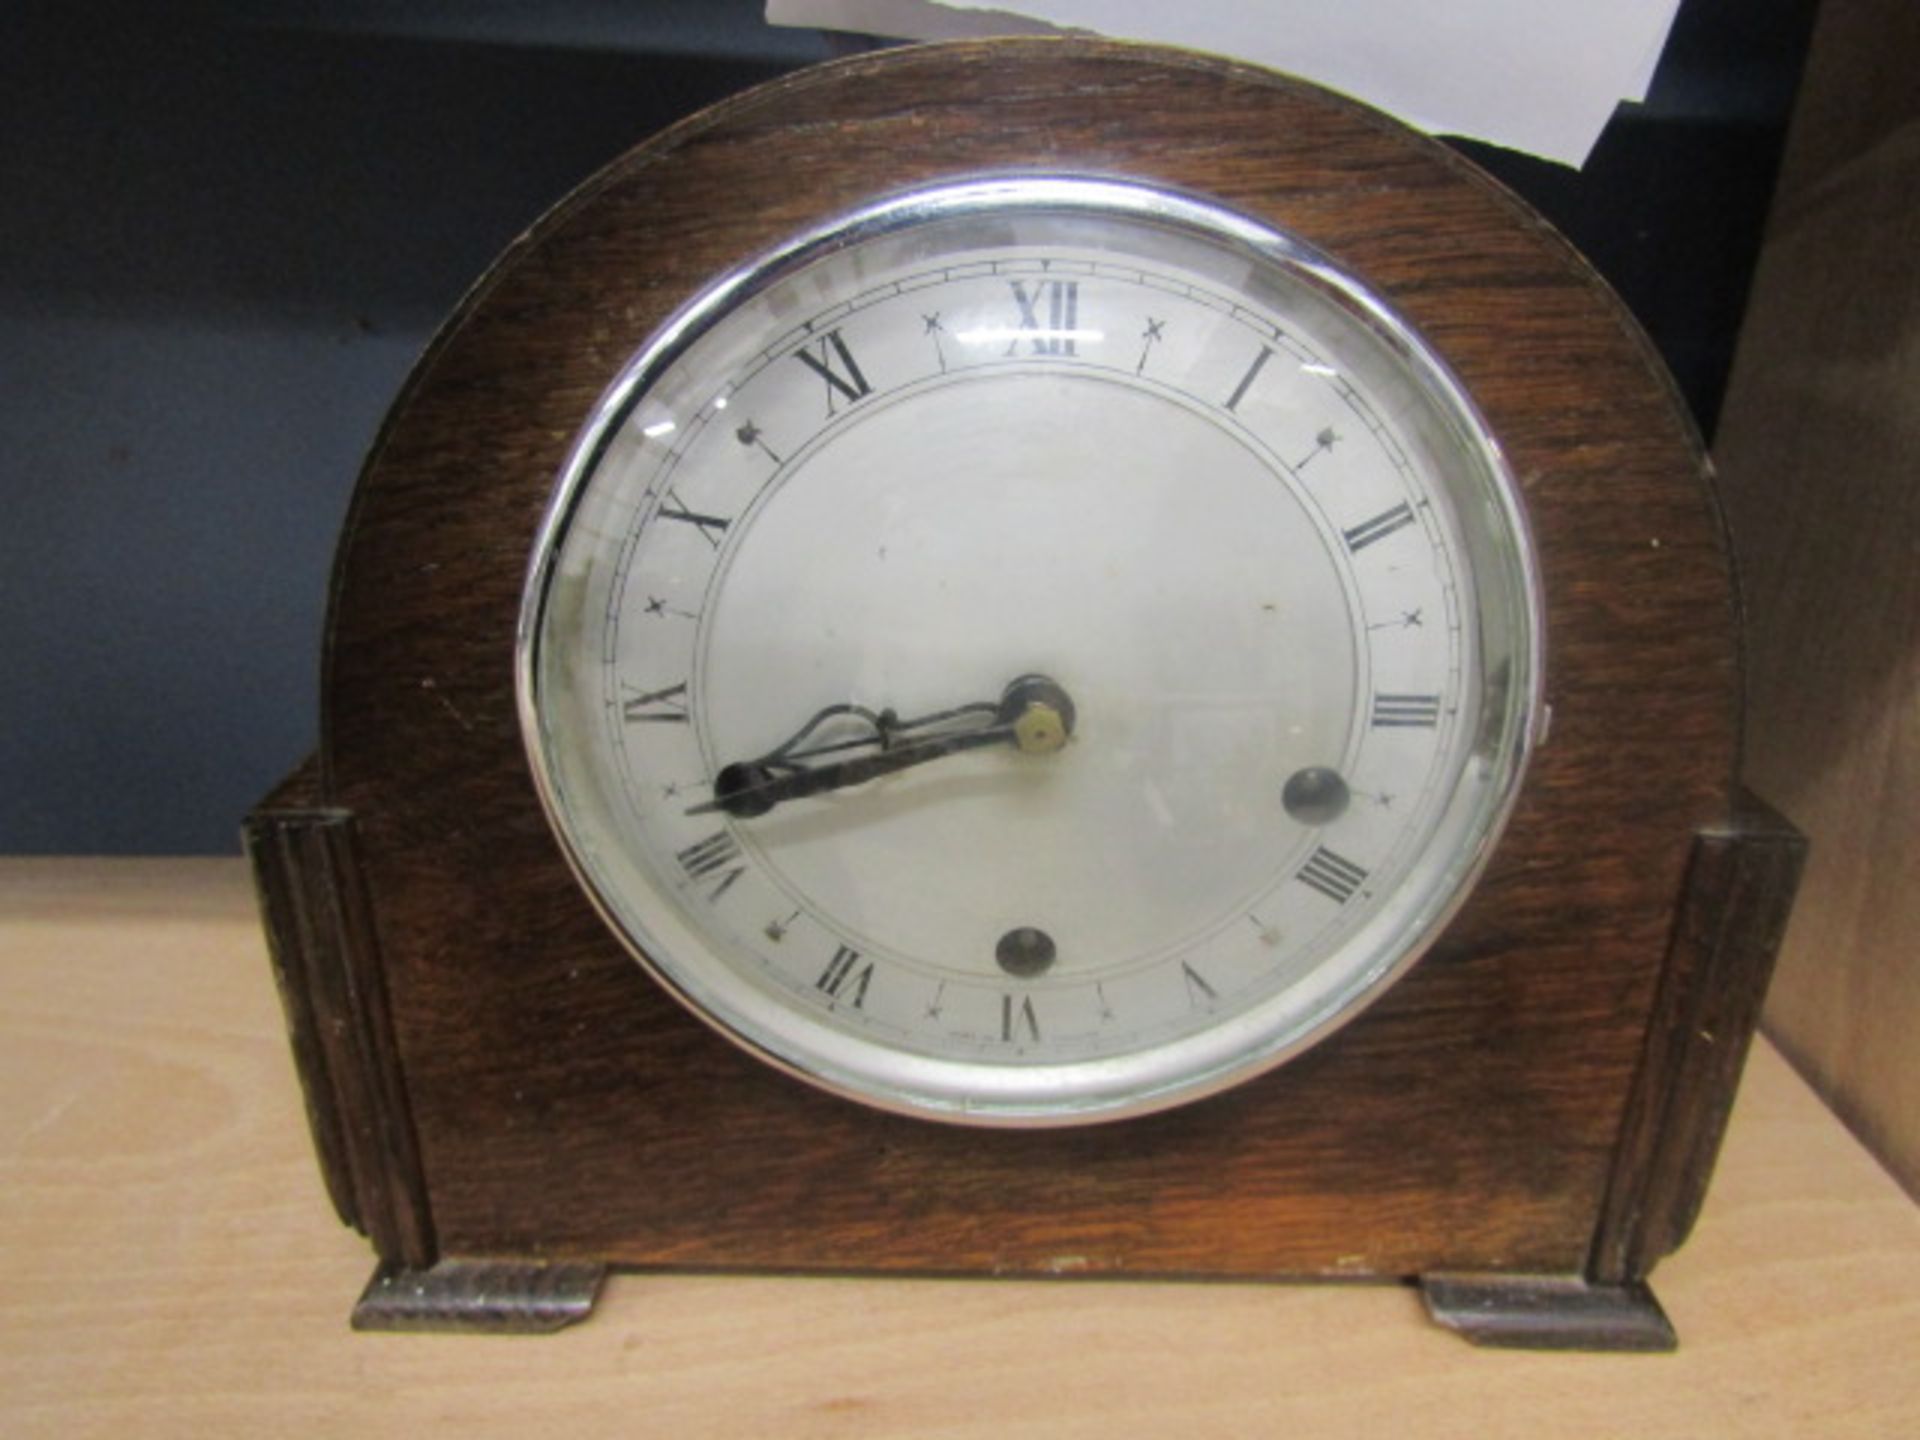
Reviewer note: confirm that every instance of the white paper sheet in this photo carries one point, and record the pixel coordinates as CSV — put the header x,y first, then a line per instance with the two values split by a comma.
x,y
1542,76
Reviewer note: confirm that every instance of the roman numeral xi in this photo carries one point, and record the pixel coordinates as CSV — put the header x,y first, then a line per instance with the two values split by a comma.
x,y
830,359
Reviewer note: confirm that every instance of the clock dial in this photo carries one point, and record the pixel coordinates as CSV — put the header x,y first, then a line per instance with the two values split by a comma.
x,y
1034,651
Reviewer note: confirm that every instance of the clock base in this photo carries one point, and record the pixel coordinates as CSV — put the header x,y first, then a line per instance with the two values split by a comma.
x,y
1549,1312
512,1297
493,1297
308,864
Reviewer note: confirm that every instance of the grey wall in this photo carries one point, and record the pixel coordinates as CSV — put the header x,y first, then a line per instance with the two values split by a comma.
x,y
227,228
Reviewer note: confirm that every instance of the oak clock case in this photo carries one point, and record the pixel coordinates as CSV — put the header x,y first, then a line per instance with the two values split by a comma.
x,y
1015,464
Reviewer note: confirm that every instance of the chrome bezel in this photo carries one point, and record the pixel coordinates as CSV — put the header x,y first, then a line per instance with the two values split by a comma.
x,y
1189,1067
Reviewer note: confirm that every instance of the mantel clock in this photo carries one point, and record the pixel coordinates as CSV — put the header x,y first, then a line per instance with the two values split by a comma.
x,y
1029,657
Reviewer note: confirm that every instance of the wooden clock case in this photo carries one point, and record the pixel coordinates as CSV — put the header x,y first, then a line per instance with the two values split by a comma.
x,y
505,1104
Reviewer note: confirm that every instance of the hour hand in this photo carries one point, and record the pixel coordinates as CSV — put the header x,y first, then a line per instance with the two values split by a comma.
x,y
1033,714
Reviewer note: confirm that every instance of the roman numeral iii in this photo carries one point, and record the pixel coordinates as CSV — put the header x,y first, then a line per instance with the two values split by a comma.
x,y
1406,712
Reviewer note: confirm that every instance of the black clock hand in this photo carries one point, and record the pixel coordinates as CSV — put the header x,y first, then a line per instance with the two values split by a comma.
x,y
749,789
1033,713
886,726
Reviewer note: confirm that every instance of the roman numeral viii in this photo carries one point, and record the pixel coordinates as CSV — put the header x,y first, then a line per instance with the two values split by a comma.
x,y
718,854
1332,875
834,364
1406,712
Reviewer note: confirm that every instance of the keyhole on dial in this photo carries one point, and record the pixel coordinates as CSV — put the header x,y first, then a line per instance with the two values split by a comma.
x,y
1025,952
1315,796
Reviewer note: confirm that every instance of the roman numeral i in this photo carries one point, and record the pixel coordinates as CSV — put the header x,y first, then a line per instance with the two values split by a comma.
x,y
1247,379
1379,527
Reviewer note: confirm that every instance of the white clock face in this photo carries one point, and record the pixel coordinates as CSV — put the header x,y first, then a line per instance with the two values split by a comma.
x,y
1038,651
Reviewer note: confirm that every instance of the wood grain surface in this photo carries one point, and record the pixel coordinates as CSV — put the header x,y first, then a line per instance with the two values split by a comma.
x,y
566,1107
174,1270
1817,445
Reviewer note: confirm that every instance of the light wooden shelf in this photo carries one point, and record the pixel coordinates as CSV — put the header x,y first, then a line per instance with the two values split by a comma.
x,y
171,1268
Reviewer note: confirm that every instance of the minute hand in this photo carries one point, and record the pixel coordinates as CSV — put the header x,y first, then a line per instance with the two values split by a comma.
x,y
765,790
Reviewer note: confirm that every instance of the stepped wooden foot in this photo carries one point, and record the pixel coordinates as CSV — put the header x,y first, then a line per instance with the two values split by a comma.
x,y
499,1297
1541,1312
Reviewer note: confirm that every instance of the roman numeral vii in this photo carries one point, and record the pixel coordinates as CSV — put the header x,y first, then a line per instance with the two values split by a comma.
x,y
846,977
